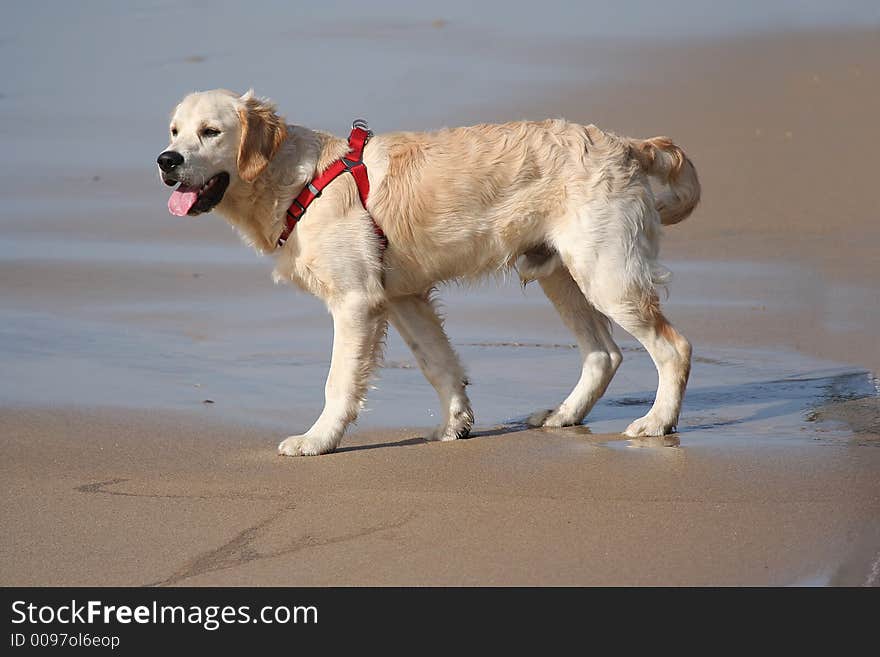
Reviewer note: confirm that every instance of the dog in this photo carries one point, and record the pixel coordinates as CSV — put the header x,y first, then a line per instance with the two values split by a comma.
x,y
569,206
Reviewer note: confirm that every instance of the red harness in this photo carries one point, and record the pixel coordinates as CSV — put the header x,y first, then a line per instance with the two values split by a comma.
x,y
353,162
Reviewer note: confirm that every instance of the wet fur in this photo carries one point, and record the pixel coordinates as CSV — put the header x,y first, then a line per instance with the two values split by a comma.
x,y
570,206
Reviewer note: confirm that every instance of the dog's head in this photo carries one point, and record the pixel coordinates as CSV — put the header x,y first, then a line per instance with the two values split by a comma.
x,y
218,140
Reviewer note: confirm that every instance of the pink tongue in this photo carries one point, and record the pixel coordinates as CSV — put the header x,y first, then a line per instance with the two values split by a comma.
x,y
182,199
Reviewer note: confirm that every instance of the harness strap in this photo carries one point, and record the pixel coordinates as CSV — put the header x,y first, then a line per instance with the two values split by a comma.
x,y
353,162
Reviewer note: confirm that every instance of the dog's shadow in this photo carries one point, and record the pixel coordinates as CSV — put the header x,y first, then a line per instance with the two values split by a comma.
x,y
505,430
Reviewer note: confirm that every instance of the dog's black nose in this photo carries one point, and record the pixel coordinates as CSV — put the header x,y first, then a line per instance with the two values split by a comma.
x,y
168,160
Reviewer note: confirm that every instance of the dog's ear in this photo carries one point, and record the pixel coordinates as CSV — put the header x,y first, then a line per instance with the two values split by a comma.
x,y
262,133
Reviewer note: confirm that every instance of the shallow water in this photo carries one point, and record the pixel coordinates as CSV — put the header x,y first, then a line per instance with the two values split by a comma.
x,y
258,353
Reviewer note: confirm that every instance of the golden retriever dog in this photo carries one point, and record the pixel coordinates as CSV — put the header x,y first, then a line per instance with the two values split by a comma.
x,y
567,205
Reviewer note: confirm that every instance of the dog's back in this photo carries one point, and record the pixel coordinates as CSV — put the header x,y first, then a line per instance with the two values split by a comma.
x,y
464,202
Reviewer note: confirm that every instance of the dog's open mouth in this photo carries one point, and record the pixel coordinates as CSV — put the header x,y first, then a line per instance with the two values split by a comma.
x,y
188,200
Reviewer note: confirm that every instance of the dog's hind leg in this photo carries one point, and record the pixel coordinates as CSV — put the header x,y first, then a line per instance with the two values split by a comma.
x,y
671,353
600,354
618,277
358,331
419,325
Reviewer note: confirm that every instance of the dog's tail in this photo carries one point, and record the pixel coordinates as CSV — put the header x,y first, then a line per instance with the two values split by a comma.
x,y
666,162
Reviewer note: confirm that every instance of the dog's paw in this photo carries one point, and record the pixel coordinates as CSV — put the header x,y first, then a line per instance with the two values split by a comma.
x,y
553,417
650,425
305,446
448,432
458,426
537,418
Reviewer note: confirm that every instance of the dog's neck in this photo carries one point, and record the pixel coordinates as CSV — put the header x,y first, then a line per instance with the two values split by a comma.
x,y
258,209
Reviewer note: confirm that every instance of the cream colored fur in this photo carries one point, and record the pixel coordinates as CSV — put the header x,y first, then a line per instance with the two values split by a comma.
x,y
567,205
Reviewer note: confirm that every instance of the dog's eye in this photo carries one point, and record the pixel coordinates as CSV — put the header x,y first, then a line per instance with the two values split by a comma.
x,y
210,132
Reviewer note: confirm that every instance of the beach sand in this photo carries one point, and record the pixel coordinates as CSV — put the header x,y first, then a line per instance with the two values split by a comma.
x,y
139,433
142,500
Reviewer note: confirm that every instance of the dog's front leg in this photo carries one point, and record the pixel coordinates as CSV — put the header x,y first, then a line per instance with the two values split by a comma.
x,y
417,321
358,331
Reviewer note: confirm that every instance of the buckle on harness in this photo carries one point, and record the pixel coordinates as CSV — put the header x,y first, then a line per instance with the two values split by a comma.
x,y
361,124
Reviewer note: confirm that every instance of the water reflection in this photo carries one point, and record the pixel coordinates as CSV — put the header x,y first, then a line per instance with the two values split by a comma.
x,y
671,440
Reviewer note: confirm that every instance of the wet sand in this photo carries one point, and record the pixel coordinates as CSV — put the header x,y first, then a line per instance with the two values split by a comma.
x,y
150,368
140,499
